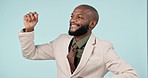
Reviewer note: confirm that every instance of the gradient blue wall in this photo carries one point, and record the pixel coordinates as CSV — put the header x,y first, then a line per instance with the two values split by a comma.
x,y
122,22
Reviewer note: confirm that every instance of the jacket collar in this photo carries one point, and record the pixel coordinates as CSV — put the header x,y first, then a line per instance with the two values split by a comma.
x,y
84,59
86,54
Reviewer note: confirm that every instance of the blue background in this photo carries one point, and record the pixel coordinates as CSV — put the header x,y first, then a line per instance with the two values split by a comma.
x,y
122,22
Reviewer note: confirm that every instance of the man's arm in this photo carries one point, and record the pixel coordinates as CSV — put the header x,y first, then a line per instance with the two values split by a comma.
x,y
115,64
26,36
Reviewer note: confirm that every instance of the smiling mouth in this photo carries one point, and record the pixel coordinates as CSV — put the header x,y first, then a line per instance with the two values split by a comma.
x,y
74,25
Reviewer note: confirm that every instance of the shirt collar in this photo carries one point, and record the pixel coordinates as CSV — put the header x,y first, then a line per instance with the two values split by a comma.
x,y
81,42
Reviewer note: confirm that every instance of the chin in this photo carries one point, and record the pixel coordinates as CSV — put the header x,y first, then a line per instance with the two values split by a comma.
x,y
78,32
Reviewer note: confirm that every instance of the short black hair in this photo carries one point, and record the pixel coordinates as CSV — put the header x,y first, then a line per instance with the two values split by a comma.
x,y
93,10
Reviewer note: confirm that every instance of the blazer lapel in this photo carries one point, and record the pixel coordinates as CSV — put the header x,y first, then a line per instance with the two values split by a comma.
x,y
86,53
65,64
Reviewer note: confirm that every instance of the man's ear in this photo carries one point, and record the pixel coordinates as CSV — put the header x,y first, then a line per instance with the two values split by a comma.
x,y
92,24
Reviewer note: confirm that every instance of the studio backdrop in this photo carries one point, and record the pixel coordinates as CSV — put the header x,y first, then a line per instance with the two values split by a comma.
x,y
122,22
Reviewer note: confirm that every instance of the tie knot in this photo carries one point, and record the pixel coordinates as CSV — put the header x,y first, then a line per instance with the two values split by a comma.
x,y
74,47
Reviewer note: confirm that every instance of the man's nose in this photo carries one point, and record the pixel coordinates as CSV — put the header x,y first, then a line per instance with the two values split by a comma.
x,y
73,20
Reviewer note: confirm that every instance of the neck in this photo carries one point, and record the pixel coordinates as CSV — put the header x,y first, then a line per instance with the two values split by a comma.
x,y
77,38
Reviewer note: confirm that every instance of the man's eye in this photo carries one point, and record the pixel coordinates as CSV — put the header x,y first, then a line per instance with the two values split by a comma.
x,y
80,17
71,16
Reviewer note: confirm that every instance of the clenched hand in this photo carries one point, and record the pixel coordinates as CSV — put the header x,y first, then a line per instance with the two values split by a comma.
x,y
30,20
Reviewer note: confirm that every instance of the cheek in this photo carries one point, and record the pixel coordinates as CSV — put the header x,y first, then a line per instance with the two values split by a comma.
x,y
84,23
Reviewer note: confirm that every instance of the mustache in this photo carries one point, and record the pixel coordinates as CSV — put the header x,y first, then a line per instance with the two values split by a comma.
x,y
75,24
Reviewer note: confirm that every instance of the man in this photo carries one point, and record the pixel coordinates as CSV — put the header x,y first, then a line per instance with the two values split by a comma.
x,y
79,54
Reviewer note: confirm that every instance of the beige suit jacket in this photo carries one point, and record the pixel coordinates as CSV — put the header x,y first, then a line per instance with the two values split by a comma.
x,y
98,57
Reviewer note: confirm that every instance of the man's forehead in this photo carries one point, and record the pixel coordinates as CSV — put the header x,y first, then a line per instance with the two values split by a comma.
x,y
80,11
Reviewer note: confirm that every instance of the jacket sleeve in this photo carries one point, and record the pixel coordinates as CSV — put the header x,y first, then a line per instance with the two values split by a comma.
x,y
119,67
32,51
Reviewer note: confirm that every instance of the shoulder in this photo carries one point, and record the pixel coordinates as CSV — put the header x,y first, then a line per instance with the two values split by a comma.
x,y
61,39
65,36
104,45
103,42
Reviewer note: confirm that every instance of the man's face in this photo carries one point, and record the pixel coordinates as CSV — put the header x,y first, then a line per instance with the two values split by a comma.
x,y
79,23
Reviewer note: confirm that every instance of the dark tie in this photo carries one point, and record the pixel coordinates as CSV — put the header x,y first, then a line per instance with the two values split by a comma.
x,y
71,56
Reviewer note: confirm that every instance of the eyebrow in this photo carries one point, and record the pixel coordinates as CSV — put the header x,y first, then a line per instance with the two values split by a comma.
x,y
77,14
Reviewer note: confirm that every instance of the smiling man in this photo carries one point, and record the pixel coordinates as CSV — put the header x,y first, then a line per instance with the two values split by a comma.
x,y
78,54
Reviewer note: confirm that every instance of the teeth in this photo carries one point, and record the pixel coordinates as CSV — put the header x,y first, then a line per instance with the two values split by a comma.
x,y
73,26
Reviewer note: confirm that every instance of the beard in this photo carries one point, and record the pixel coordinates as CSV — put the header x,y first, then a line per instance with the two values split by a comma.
x,y
80,31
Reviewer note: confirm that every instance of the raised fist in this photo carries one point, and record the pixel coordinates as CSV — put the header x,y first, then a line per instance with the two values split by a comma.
x,y
30,20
